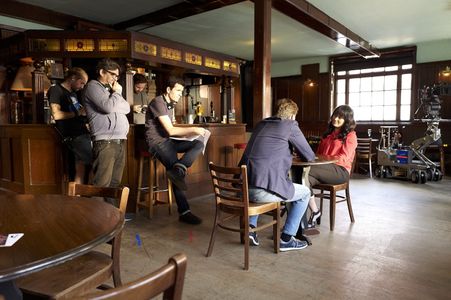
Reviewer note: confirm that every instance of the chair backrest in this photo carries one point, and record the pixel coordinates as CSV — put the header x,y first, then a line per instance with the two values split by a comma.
x,y
168,279
230,187
85,190
364,146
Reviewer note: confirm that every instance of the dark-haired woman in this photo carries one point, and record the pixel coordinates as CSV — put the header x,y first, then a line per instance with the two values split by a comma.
x,y
339,140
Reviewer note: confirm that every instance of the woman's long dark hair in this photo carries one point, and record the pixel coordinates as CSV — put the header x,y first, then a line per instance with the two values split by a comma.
x,y
345,112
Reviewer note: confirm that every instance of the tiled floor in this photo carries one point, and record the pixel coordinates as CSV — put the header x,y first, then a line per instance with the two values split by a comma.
x,y
398,248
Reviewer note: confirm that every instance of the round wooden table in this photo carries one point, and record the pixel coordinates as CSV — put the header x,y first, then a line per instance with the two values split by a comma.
x,y
56,228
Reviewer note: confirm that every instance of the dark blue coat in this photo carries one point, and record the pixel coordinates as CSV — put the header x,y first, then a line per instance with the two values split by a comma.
x,y
268,156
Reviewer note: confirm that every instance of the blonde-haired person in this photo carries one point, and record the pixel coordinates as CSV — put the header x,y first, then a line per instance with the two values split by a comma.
x,y
268,158
70,119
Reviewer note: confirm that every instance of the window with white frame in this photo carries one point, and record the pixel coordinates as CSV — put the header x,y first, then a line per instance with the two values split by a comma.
x,y
376,94
377,89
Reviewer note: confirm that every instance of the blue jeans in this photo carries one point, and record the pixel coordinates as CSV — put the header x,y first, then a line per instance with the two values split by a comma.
x,y
166,153
298,205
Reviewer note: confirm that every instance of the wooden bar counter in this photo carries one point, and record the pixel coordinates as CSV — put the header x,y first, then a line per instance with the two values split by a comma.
x,y
32,158
219,150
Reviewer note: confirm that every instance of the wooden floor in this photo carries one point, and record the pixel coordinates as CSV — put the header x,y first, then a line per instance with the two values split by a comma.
x,y
399,248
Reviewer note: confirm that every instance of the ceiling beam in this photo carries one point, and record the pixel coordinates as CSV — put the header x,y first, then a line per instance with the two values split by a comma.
x,y
175,12
40,15
312,17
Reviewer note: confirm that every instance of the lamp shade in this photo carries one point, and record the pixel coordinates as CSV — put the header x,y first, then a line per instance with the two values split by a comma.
x,y
22,82
445,75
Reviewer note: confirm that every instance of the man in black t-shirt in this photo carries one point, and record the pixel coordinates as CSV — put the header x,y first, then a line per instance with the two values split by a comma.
x,y
70,118
159,131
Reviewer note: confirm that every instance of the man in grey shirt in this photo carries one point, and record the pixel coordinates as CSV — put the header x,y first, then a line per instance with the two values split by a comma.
x,y
106,111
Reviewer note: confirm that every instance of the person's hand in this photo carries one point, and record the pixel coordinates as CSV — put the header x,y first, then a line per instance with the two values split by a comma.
x,y
137,108
117,87
82,111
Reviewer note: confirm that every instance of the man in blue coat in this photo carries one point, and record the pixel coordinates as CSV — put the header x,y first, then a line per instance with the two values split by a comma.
x,y
268,157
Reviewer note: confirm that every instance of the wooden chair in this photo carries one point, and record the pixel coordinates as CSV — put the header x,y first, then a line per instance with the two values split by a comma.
x,y
168,279
364,154
230,187
332,195
86,272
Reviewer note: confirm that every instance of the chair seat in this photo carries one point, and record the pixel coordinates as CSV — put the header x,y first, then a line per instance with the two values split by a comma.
x,y
75,277
254,208
332,195
331,187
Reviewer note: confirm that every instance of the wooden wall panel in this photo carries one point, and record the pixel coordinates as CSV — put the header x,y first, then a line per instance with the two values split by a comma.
x,y
33,160
42,161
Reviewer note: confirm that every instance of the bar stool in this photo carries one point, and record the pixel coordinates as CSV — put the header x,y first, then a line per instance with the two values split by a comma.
x,y
153,189
236,151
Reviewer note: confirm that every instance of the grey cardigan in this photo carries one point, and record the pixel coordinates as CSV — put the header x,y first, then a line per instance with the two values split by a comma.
x,y
106,112
268,155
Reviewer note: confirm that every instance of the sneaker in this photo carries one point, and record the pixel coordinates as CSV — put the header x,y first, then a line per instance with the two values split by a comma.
x,y
189,218
253,239
293,244
128,217
177,178
313,217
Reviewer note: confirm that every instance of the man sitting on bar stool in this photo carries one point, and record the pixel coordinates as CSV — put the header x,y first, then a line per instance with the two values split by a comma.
x,y
159,131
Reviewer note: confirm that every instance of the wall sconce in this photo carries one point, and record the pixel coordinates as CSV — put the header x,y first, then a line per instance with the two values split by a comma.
x,y
310,83
445,75
22,81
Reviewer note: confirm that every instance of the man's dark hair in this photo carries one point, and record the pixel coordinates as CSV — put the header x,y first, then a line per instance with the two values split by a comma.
x,y
139,78
107,65
75,73
172,81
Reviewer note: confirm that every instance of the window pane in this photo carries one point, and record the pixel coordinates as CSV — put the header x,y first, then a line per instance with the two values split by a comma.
x,y
365,84
365,113
378,83
405,97
390,82
354,85
378,98
365,71
406,81
390,98
357,112
390,113
406,67
377,113
354,72
365,99
354,99
341,85
405,112
341,99
378,70
392,68
341,73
